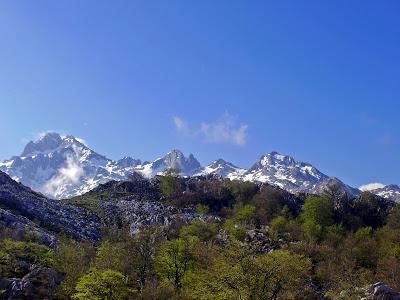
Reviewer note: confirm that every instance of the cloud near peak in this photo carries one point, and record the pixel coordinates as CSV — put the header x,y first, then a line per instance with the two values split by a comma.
x,y
225,129
67,175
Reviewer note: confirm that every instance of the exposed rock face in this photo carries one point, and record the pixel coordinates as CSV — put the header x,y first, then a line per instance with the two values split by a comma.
x,y
380,291
138,212
258,242
186,166
19,223
333,183
40,283
51,215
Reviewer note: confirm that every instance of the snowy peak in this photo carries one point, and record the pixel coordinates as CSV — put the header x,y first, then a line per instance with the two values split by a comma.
x,y
282,170
391,191
176,160
127,162
222,168
276,158
45,143
295,176
64,166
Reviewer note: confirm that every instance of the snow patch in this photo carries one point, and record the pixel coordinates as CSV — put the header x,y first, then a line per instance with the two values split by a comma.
x,y
371,187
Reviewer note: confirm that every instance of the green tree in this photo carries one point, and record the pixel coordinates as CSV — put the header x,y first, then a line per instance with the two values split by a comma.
x,y
202,209
279,224
101,285
316,216
234,229
204,231
236,274
170,183
12,253
244,213
393,219
175,260
142,250
72,259
280,274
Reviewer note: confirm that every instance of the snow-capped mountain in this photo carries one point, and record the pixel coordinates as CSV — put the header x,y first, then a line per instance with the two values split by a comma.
x,y
222,168
294,176
63,166
175,160
391,191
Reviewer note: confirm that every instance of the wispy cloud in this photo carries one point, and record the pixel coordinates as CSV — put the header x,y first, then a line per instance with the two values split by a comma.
x,y
81,140
181,125
371,186
67,175
225,129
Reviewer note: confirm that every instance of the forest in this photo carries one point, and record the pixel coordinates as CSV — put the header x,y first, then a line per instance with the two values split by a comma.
x,y
250,241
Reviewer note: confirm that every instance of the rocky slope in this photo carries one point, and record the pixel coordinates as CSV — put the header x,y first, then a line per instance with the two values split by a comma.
x,y
134,203
21,207
21,225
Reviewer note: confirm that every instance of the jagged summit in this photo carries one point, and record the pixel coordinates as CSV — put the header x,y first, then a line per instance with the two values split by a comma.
x,y
46,142
295,176
64,166
175,159
222,168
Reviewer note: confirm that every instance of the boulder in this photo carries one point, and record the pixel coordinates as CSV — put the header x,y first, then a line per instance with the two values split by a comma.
x,y
40,283
380,291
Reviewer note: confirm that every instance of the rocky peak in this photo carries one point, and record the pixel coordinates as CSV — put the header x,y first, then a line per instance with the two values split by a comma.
x,y
46,142
175,159
222,168
276,158
128,161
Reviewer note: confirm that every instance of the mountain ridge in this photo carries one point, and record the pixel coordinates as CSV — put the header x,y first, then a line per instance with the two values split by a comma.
x,y
64,166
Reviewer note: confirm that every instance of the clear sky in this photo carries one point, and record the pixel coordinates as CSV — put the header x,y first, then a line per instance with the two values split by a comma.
x,y
319,80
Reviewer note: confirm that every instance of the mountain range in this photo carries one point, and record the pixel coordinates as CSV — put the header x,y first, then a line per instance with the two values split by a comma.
x,y
63,166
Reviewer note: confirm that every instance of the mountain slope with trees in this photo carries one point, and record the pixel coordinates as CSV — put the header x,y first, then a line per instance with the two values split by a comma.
x,y
228,239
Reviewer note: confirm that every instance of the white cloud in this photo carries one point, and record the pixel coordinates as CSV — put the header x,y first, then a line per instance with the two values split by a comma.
x,y
181,125
80,140
70,174
371,186
224,130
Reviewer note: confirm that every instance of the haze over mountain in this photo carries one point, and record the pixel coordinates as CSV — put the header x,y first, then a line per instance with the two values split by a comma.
x,y
63,166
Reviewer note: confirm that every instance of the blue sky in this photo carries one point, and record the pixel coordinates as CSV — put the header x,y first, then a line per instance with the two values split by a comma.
x,y
318,80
